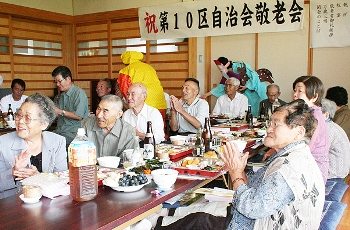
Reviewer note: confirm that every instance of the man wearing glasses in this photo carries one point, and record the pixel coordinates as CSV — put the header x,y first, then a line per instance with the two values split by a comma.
x,y
233,103
72,105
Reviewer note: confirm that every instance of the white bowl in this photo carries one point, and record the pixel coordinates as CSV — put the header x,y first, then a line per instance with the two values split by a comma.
x,y
109,161
261,132
30,200
164,178
178,140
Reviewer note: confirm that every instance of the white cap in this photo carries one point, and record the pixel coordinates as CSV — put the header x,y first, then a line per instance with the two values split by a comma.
x,y
81,132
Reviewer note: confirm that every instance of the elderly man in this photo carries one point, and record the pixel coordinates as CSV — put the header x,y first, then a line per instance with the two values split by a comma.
x,y
107,130
189,112
339,145
232,102
72,104
272,92
103,87
139,113
339,95
16,98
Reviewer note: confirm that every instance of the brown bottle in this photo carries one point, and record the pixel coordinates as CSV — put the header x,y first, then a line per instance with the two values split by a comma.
x,y
2,121
10,113
262,112
149,143
249,114
206,135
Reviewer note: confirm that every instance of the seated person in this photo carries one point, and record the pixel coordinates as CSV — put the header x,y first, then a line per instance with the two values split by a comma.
x,y
31,150
232,102
107,130
339,95
139,113
103,87
272,92
189,112
280,195
339,145
16,98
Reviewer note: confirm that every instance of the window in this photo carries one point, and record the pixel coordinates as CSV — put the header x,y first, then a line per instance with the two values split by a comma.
x,y
39,48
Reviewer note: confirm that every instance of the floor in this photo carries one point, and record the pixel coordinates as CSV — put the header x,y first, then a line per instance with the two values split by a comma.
x,y
345,220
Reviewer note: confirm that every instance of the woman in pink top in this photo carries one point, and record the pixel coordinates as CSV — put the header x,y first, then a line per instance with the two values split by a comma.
x,y
311,90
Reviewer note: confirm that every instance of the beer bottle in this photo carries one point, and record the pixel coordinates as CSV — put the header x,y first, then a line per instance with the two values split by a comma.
x,y
249,114
149,143
262,115
207,136
2,123
199,146
10,113
275,105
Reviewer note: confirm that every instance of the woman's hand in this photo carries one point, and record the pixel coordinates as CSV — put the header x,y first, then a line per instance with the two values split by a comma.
x,y
233,159
22,173
22,160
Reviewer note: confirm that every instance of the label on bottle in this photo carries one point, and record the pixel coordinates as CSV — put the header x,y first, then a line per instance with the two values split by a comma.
x,y
10,117
148,151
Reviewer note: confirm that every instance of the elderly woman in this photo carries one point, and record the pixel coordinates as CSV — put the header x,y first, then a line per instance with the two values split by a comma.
x,y
30,150
281,195
339,145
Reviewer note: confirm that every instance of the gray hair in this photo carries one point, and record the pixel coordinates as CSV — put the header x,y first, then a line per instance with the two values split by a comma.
x,y
328,106
46,106
233,81
143,87
114,99
273,85
109,84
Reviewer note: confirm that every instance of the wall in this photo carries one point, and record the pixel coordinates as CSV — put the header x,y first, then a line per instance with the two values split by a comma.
x,y
58,6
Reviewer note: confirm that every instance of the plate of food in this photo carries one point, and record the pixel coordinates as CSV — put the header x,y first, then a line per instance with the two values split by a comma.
x,y
127,182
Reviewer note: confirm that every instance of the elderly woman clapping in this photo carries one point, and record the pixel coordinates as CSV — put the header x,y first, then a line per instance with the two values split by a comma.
x,y
283,193
31,150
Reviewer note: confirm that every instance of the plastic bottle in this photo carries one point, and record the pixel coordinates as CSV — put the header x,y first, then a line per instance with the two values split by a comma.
x,y
82,168
207,135
199,145
137,158
275,105
149,143
10,113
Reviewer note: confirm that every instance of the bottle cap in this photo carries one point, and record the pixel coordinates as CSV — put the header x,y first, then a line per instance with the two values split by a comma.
x,y
81,132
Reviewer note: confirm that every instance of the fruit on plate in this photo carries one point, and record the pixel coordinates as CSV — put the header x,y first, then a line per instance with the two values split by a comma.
x,y
132,180
210,154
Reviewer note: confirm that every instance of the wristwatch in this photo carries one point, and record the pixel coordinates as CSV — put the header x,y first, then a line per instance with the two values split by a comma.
x,y
63,113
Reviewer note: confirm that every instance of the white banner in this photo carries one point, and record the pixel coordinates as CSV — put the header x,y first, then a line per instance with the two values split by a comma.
x,y
330,23
215,18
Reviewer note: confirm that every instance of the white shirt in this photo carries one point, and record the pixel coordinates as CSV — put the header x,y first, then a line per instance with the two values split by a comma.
x,y
199,109
147,113
5,101
237,106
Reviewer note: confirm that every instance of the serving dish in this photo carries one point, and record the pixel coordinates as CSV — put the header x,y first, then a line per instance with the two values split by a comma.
x,y
127,188
222,120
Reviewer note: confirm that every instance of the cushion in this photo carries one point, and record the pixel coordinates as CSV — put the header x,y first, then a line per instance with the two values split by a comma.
x,y
335,190
331,215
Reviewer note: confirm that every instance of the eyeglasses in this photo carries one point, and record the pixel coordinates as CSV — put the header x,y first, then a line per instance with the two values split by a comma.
x,y
228,85
27,119
272,124
59,81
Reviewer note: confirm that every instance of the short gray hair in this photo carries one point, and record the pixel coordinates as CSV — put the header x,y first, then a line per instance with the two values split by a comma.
x,y
328,106
273,85
114,99
46,106
142,86
233,81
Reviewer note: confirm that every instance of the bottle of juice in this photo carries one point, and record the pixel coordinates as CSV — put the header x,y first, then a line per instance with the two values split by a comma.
x,y
82,168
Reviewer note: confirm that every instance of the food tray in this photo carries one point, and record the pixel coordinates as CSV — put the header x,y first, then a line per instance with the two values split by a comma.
x,y
233,126
220,167
175,152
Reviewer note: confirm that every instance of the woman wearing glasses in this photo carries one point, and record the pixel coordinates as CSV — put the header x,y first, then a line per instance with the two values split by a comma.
x,y
287,193
31,150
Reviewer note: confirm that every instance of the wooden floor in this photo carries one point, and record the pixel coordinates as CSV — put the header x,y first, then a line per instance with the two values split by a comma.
x,y
344,223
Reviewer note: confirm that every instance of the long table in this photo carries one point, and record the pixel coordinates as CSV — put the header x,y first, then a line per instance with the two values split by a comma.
x,y
110,209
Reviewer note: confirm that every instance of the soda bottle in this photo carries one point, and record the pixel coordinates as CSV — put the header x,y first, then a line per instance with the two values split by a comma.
x,y
82,168
207,136
10,113
149,143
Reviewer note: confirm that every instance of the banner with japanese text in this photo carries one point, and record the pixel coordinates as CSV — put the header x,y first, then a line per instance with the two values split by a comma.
x,y
216,18
330,23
